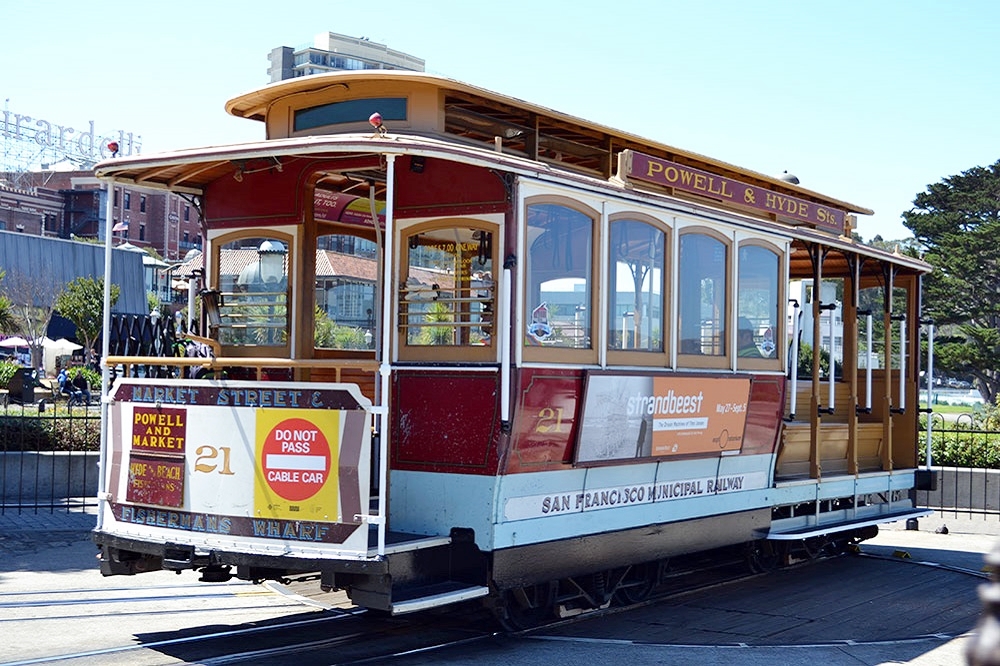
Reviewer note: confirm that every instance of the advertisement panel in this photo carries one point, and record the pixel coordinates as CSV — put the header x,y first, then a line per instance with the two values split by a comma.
x,y
630,416
282,460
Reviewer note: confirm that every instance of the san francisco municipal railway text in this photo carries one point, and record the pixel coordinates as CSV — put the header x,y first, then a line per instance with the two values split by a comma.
x,y
608,497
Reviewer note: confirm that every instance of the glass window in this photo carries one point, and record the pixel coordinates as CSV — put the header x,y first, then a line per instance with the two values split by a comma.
x,y
351,111
142,203
346,275
701,297
635,303
253,307
758,305
128,201
447,292
559,277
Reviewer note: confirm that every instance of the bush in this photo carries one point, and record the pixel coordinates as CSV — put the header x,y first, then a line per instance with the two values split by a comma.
x,y
7,371
69,431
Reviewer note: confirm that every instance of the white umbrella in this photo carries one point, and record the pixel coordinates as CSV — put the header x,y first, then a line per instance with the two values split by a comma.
x,y
61,347
14,341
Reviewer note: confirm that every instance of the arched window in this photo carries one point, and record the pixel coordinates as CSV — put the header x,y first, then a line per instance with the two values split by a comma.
x,y
448,291
559,287
758,304
636,282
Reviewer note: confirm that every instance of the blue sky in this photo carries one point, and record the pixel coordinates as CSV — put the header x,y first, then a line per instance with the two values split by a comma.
x,y
864,100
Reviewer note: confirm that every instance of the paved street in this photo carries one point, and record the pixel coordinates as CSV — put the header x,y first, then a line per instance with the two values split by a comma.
x,y
846,611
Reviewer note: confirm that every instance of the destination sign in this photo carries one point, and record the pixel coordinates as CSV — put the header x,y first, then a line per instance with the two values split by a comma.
x,y
648,169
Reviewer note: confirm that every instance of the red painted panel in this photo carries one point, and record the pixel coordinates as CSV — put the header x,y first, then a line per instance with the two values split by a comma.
x,y
265,195
436,191
544,427
445,421
764,412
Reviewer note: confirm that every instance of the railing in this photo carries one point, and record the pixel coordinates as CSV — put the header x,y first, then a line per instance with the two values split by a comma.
x,y
49,456
966,467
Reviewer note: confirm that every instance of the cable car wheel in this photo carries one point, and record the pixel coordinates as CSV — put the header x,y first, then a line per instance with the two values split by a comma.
x,y
524,608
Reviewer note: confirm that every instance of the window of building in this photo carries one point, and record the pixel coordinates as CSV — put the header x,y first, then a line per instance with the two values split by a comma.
x,y
759,302
447,292
636,286
187,237
142,232
702,297
142,203
559,286
187,213
128,201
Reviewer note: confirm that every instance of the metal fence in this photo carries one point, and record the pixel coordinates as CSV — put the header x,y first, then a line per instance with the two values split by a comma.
x,y
49,456
970,484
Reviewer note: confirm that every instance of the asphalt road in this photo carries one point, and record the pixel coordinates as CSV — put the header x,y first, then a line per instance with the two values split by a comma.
x,y
885,609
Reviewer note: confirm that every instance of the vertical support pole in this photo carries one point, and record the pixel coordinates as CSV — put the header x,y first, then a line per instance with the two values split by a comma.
x,y
385,369
502,327
815,464
794,363
930,391
902,365
869,359
102,477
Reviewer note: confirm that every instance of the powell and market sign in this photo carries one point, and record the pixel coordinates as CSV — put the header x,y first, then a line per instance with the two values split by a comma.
x,y
86,144
644,168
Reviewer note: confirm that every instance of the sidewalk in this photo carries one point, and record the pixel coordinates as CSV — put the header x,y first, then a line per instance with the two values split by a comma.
x,y
44,520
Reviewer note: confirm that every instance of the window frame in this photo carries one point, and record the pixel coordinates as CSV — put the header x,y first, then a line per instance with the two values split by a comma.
x,y
722,361
572,355
292,307
777,363
457,354
636,357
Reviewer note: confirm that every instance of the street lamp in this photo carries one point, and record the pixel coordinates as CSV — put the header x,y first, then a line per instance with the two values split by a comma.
x,y
271,261
368,339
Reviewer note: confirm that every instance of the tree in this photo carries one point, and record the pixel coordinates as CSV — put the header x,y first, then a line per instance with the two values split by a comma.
x,y
957,222
32,297
8,323
82,302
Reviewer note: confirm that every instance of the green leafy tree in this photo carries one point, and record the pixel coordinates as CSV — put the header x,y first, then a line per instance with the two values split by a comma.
x,y
8,322
957,222
82,302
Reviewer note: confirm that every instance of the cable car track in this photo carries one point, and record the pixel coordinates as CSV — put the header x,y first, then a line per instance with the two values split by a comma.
x,y
357,636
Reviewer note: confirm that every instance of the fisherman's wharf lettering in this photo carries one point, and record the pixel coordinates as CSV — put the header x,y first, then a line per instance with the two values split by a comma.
x,y
644,168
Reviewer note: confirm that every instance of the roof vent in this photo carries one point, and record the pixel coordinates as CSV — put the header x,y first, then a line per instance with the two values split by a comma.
x,y
789,177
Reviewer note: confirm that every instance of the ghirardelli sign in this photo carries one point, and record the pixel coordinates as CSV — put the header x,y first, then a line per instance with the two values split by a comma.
x,y
87,144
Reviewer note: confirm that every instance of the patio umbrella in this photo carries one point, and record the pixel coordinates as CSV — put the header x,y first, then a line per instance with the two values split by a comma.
x,y
61,347
13,342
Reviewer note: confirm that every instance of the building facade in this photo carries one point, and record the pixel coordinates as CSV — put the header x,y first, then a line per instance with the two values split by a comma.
x,y
72,204
331,51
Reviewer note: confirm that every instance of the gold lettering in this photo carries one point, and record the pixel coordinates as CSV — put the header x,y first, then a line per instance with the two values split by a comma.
x,y
671,175
654,168
748,196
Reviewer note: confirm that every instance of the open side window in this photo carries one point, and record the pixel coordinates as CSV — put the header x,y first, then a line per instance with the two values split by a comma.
x,y
447,292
